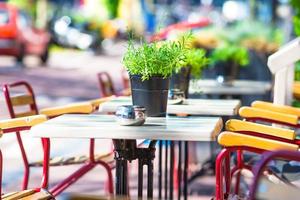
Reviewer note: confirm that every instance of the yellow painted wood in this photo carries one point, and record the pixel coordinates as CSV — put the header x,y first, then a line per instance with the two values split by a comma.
x,y
78,108
97,102
26,114
231,139
250,112
21,100
296,90
18,195
238,125
28,195
23,121
276,108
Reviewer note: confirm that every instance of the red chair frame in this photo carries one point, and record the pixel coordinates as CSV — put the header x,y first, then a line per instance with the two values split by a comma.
x,y
106,84
45,142
267,157
223,162
46,147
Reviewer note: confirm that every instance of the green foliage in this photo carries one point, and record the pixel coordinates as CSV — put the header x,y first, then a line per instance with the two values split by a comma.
x,y
248,29
196,59
230,53
296,19
155,59
297,71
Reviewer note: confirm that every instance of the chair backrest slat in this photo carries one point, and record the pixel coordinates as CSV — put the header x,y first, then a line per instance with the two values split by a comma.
x,y
25,114
21,100
26,98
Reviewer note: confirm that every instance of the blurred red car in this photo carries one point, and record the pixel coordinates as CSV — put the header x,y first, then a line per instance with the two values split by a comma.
x,y
18,37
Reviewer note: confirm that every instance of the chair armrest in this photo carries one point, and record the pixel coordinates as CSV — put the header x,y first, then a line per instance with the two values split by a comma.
x,y
276,108
250,112
75,108
22,122
235,125
97,102
231,139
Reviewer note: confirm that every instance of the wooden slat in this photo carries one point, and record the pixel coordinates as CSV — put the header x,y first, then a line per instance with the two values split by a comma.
x,y
26,114
18,195
231,139
21,100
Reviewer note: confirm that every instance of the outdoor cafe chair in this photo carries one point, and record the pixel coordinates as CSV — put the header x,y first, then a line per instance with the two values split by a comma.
x,y
11,126
243,129
107,88
27,99
250,137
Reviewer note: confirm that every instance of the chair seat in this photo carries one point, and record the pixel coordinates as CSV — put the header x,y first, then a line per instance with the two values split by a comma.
x,y
28,195
59,161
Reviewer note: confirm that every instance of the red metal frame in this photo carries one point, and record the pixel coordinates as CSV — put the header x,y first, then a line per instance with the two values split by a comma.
x,y
46,147
223,163
267,157
1,163
106,85
45,167
12,113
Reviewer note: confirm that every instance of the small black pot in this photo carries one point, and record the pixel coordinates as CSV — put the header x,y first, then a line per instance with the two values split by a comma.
x,y
181,80
227,72
151,94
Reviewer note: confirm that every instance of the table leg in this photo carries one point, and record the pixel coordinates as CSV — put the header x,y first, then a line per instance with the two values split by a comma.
x,y
140,178
121,177
160,169
166,169
185,172
125,150
179,170
171,170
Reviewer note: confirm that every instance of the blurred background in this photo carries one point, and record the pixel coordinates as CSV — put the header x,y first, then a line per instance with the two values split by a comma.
x,y
88,36
59,46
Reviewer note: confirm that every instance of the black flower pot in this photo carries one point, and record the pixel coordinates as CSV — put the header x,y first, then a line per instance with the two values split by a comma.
x,y
152,94
181,80
227,72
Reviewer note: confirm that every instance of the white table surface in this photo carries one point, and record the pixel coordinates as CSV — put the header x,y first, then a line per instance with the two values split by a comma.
x,y
239,87
105,127
213,107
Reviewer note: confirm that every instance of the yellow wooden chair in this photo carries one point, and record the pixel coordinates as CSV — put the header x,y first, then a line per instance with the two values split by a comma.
x,y
254,137
249,137
22,124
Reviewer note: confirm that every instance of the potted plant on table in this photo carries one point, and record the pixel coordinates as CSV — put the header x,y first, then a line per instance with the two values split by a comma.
x,y
150,66
227,59
196,61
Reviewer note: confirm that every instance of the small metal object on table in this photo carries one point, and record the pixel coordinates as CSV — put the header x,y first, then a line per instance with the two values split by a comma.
x,y
124,137
201,107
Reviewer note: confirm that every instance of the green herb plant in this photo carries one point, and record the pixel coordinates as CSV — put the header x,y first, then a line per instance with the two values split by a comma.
x,y
230,53
155,59
197,61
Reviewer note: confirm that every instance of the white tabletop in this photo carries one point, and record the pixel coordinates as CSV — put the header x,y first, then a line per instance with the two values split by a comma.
x,y
239,87
213,107
105,127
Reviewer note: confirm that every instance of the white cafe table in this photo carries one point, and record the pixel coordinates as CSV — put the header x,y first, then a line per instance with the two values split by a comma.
x,y
238,87
124,138
199,107
213,107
